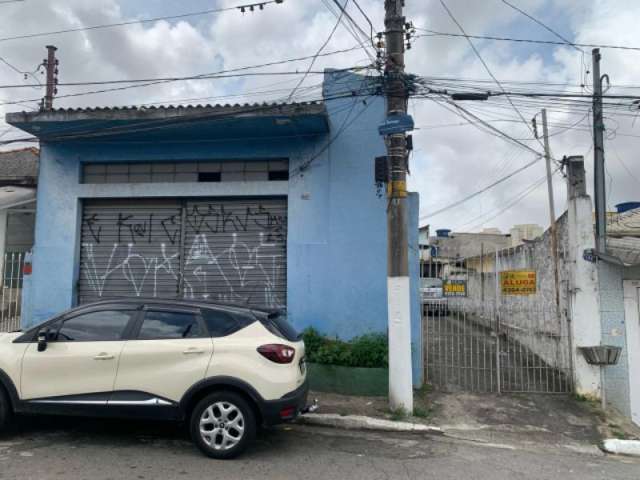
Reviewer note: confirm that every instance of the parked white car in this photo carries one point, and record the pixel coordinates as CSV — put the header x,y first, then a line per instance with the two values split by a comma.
x,y
224,370
432,296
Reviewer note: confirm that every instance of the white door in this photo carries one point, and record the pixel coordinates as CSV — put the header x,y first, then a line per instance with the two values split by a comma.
x,y
169,354
81,356
632,320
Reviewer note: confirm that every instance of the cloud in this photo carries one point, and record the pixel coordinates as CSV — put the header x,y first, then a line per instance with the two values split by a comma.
x,y
449,162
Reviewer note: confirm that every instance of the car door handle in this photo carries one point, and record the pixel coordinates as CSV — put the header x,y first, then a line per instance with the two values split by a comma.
x,y
104,356
193,351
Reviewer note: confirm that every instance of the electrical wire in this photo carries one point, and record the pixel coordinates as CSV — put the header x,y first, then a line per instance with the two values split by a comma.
x,y
546,27
192,77
322,47
481,191
477,53
351,30
435,33
133,22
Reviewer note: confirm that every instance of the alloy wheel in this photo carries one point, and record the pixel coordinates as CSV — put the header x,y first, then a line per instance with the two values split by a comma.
x,y
222,425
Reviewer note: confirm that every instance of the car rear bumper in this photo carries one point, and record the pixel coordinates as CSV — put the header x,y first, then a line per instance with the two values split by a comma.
x,y
285,408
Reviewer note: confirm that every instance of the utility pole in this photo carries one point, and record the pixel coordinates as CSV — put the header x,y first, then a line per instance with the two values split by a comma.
x,y
552,208
598,156
398,291
51,64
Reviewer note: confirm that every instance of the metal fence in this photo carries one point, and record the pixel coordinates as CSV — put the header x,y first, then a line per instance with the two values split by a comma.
x,y
11,294
482,339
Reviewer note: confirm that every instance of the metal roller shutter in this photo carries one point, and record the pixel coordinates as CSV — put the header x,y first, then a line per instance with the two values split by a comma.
x,y
129,248
235,251
228,250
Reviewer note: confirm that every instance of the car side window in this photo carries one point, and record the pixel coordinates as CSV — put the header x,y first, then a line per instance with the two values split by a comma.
x,y
158,325
100,326
219,323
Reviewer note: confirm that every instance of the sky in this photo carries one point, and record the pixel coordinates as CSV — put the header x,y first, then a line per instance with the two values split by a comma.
x,y
451,159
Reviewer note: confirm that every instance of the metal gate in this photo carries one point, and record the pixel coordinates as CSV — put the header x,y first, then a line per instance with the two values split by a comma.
x,y
231,250
480,340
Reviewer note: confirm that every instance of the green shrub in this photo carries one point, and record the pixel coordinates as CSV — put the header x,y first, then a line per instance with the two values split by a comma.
x,y
369,350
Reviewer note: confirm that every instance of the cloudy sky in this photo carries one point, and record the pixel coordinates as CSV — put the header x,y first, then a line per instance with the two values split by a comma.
x,y
452,158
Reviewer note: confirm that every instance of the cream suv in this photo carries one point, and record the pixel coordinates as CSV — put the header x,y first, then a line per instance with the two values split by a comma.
x,y
225,370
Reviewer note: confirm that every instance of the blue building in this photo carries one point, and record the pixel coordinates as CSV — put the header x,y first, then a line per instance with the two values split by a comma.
x,y
270,205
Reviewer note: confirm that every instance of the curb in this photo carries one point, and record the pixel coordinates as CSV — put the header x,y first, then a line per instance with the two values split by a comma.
x,y
361,422
622,447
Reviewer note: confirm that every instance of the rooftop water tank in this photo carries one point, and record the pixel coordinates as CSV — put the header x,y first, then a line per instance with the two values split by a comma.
x,y
626,206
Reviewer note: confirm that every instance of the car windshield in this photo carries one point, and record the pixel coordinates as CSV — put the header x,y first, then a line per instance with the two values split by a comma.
x,y
431,283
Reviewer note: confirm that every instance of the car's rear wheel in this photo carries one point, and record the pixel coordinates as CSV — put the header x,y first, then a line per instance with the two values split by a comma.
x,y
222,425
5,411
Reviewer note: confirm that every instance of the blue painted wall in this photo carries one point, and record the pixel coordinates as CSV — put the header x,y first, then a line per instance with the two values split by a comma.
x,y
336,246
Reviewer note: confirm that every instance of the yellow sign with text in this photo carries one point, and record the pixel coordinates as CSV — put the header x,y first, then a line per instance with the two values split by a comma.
x,y
518,282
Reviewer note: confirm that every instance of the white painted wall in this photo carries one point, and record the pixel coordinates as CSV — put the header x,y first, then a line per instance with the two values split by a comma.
x,y
632,321
583,295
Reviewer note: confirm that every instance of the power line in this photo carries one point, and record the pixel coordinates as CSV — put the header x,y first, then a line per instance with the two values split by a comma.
x,y
434,33
495,130
194,77
350,29
546,27
135,22
528,191
475,50
483,190
322,47
209,76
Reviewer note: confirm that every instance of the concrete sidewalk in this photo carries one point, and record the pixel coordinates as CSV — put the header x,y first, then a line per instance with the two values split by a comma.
x,y
556,421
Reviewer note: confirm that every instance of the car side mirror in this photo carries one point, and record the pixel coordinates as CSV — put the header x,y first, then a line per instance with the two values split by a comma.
x,y
42,340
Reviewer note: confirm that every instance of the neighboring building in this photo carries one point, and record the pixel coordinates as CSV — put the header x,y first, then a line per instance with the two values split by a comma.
x,y
448,247
18,183
525,232
625,222
266,205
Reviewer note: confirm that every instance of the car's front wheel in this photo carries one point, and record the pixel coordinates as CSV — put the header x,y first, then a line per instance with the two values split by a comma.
x,y
222,425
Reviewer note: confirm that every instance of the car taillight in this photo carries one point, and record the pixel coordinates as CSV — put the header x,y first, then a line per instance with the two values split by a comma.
x,y
277,352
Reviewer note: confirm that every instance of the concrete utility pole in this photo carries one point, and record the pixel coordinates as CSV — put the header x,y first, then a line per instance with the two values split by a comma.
x,y
598,156
51,64
398,291
552,208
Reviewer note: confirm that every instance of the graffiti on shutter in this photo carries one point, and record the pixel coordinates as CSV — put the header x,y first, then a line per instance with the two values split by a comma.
x,y
235,251
218,250
129,248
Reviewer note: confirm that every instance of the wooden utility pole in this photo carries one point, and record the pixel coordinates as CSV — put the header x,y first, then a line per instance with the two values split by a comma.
x,y
51,64
398,290
552,209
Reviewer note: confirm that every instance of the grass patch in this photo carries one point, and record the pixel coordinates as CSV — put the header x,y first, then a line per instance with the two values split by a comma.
x,y
398,414
421,412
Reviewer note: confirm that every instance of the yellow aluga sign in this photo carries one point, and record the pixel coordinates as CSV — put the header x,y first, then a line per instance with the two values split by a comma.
x,y
518,282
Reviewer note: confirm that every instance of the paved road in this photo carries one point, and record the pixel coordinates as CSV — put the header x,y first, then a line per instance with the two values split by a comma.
x,y
101,450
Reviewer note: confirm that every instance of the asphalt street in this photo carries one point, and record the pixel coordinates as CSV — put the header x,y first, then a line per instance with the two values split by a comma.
x,y
53,448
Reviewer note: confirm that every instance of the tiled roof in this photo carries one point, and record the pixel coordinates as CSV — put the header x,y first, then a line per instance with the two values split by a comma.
x,y
207,106
19,167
